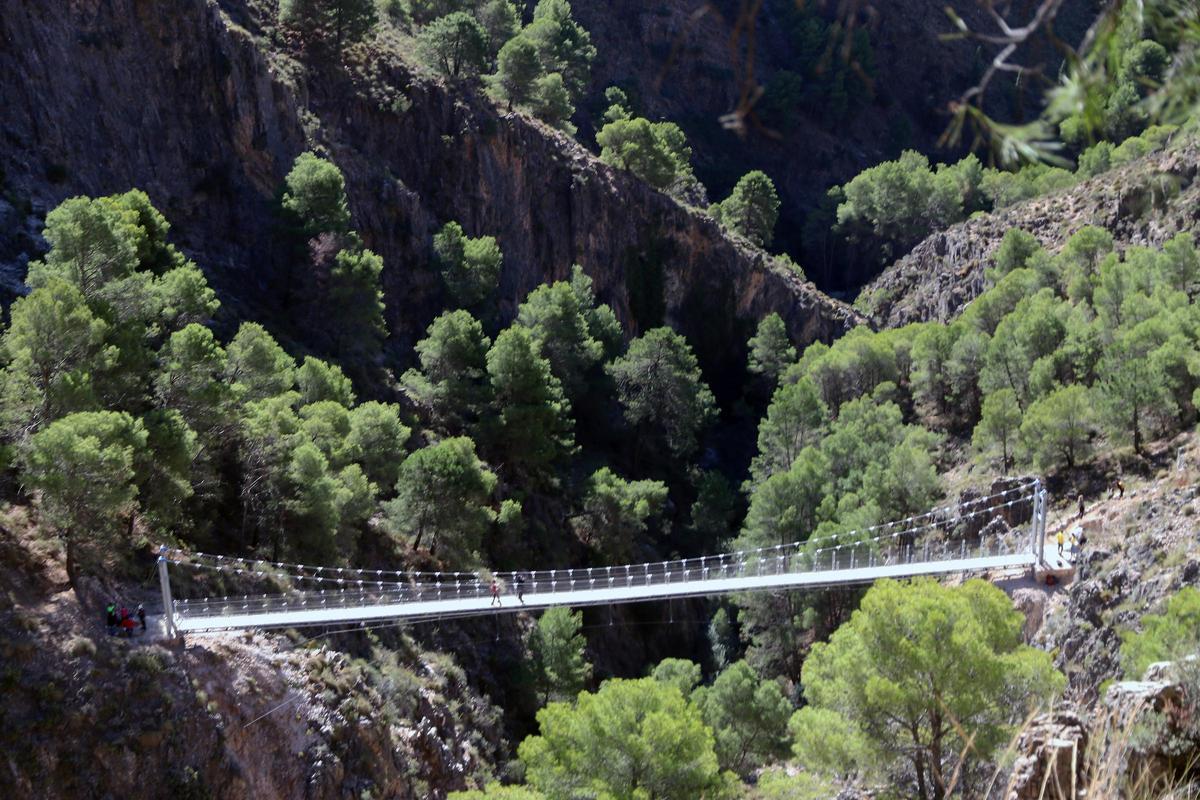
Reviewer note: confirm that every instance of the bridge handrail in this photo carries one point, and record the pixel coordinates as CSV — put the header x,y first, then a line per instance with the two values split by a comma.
x,y
763,562
343,576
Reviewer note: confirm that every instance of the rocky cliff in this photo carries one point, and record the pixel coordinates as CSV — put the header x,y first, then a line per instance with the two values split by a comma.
x,y
201,104
1142,203
83,714
696,61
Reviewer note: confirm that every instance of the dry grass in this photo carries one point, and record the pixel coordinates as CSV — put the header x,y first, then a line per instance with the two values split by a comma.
x,y
1111,766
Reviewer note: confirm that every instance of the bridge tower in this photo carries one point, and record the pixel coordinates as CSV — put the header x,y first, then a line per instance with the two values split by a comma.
x,y
1037,525
164,581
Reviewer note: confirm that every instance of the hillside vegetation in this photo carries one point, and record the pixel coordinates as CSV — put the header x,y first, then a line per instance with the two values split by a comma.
x,y
397,301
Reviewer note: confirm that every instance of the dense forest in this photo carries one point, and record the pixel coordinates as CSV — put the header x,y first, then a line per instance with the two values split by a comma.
x,y
147,400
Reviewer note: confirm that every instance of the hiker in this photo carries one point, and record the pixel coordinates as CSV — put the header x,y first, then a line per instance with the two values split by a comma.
x,y
141,615
127,623
1075,532
495,593
521,588
110,612
1118,490
1081,509
1059,538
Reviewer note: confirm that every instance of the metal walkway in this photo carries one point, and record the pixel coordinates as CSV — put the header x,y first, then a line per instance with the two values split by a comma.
x,y
949,540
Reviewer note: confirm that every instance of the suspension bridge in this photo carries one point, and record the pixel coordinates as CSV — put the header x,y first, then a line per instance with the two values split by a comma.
x,y
957,539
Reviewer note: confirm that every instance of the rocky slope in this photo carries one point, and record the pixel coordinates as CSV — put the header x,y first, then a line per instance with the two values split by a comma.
x,y
1142,203
200,104
695,61
1140,549
83,714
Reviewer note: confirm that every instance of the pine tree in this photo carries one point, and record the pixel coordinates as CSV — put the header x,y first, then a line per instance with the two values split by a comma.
x,y
316,195
441,498
452,380
330,21
557,646
659,384
517,69
470,267
531,427
753,208
455,45
358,330
771,350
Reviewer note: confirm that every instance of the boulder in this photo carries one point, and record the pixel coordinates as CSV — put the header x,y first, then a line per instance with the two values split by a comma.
x,y
1050,764
1031,603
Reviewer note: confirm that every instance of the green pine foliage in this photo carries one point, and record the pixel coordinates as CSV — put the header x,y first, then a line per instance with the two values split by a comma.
x,y
529,429
752,209
327,23
84,464
556,647
572,332
544,68
470,267
1169,636
443,495
456,45
771,350
915,669
656,152
749,717
617,513
316,195
452,380
887,209
332,267
662,392
630,738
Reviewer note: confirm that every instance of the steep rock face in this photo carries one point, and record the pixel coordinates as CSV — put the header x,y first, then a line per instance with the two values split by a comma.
x,y
237,716
1138,551
122,94
695,61
1143,203
1049,763
194,102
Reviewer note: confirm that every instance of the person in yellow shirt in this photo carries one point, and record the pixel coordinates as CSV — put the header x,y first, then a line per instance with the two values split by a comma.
x,y
1059,539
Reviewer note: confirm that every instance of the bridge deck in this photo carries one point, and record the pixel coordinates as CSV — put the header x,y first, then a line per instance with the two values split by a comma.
x,y
297,614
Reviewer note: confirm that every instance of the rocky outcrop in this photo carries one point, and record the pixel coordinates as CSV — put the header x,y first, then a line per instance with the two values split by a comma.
x,y
198,103
1143,203
1050,764
1139,551
695,61
237,716
1140,740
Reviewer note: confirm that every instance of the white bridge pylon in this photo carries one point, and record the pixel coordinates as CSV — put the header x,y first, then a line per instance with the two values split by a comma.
x,y
947,540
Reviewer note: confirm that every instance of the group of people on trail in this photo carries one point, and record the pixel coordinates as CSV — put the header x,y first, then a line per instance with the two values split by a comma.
x,y
123,621
1075,537
520,587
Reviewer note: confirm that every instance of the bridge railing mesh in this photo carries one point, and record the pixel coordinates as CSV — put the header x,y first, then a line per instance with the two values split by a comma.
x,y
922,539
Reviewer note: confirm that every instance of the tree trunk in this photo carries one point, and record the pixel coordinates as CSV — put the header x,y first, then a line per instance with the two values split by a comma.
x,y
935,760
72,561
919,766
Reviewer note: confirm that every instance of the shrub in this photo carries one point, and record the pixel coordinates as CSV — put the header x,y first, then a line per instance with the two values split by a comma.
x,y
80,646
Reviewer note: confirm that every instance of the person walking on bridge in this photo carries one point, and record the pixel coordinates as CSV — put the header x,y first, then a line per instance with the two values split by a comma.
x,y
521,588
495,592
